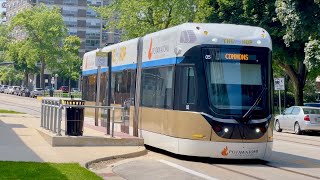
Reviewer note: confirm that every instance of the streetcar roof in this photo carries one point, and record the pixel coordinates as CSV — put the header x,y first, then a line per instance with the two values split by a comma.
x,y
174,42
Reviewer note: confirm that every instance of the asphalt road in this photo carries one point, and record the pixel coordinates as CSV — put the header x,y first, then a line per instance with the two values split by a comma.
x,y
20,104
294,157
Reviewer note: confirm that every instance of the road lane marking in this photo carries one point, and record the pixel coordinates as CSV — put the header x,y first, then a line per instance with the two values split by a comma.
x,y
187,170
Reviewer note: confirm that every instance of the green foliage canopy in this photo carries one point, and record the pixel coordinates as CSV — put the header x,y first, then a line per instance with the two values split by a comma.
x,y
45,30
137,18
69,67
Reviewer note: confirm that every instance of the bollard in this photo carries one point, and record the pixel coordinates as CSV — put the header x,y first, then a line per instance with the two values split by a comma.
x,y
59,118
51,115
55,116
48,115
112,132
42,105
45,115
104,111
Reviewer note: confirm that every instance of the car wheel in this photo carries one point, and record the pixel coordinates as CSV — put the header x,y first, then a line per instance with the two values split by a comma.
x,y
278,129
297,129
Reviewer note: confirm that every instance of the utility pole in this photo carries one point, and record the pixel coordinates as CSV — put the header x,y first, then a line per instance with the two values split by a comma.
x,y
101,26
109,90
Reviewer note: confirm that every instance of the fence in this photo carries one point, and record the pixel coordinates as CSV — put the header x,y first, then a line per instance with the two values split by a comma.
x,y
52,110
61,94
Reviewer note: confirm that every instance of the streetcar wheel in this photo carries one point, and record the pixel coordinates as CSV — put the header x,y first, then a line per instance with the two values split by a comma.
x,y
297,129
278,129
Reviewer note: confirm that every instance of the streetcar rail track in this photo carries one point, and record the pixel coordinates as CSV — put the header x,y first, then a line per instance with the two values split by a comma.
x,y
291,171
238,172
268,165
21,106
286,140
312,139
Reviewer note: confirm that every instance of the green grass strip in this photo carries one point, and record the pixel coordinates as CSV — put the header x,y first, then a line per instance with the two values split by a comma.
x,y
9,112
34,170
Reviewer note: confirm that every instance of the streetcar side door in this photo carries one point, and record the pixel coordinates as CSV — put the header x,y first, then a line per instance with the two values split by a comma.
x,y
185,87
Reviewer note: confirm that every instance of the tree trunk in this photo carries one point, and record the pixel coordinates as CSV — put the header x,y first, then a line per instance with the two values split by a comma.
x,y
26,78
43,66
298,94
69,87
298,78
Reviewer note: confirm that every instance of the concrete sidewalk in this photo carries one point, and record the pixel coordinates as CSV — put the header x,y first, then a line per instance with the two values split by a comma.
x,y
21,141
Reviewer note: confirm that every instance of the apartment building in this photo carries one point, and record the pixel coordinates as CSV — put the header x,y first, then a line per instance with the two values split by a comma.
x,y
80,19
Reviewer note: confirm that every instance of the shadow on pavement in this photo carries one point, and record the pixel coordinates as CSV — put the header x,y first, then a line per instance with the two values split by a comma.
x,y
281,159
12,148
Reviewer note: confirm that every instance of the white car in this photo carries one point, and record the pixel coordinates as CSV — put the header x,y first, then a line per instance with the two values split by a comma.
x,y
298,119
36,92
8,90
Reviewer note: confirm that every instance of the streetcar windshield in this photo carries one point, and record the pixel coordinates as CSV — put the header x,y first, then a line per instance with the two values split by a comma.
x,y
236,78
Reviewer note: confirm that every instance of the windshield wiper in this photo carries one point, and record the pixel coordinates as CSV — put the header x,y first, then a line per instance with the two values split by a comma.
x,y
254,104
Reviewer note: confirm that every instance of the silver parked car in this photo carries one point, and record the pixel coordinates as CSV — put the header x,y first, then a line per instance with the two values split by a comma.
x,y
298,119
8,89
36,92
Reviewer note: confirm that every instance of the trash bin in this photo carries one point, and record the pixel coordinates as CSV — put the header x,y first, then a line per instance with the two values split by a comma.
x,y
51,92
74,118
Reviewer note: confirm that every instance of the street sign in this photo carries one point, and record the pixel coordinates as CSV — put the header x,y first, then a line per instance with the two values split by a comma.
x,y
52,80
46,80
278,83
101,59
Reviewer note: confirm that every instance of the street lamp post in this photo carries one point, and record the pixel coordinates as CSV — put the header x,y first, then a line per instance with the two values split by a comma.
x,y
56,82
101,26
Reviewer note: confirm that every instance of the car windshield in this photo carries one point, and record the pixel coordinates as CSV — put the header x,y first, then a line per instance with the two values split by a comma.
x,y
236,78
311,111
38,89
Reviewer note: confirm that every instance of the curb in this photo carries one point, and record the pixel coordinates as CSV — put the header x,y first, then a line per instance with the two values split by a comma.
x,y
129,155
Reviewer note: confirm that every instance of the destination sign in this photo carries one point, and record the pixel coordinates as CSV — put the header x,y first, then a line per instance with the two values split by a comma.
x,y
237,56
217,54
234,41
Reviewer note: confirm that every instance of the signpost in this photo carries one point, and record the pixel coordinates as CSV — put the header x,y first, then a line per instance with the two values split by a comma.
x,y
52,82
279,85
101,61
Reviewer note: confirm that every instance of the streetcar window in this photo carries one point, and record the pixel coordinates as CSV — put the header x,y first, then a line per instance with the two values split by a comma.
x,y
89,88
188,85
157,88
236,77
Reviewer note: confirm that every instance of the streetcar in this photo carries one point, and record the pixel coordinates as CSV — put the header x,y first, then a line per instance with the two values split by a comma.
x,y
196,89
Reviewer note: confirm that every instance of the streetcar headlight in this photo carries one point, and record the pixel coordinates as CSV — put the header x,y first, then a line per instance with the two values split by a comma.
x,y
226,130
257,130
259,42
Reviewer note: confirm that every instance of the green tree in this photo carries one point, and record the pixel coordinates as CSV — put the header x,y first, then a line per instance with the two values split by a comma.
x,y
280,20
4,40
45,30
301,23
10,75
137,18
18,52
69,67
